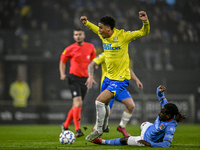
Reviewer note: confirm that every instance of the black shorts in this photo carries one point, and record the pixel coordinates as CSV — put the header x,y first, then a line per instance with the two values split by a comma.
x,y
77,85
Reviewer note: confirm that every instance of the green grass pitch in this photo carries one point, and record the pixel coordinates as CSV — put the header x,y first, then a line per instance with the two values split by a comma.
x,y
43,137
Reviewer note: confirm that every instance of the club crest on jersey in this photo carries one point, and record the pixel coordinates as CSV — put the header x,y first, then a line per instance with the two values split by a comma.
x,y
161,127
115,39
88,56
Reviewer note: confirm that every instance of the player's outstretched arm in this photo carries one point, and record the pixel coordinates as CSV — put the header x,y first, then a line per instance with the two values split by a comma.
x,y
144,142
161,96
152,144
145,28
90,25
160,92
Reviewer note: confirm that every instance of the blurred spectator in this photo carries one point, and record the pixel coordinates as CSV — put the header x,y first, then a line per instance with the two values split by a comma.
x,y
153,51
56,17
34,25
166,51
19,91
195,54
66,23
26,19
170,17
44,26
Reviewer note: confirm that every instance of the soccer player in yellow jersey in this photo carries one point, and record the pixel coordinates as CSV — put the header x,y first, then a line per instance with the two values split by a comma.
x,y
115,45
124,97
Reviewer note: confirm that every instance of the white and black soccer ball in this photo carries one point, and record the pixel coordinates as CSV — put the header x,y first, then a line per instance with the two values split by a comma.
x,y
67,137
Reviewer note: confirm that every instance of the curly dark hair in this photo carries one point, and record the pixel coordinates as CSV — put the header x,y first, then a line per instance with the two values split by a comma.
x,y
172,109
108,21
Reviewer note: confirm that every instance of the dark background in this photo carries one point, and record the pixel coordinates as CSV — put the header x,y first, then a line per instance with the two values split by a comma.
x,y
33,34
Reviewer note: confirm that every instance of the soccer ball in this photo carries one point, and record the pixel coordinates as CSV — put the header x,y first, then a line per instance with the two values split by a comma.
x,y
67,137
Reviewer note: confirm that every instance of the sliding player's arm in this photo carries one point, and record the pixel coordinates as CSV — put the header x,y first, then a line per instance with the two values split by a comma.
x,y
161,96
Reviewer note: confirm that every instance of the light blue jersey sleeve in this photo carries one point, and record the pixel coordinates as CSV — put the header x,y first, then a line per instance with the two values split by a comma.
x,y
161,97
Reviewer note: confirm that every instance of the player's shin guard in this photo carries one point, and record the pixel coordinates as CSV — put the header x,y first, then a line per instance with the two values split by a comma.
x,y
107,107
100,115
125,119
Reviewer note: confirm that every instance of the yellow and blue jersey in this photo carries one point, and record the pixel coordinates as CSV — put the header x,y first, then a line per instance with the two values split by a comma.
x,y
116,50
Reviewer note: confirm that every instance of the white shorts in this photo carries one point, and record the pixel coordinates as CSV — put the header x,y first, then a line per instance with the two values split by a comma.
x,y
132,140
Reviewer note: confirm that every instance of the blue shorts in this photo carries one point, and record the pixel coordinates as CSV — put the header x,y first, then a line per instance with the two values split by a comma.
x,y
123,95
114,86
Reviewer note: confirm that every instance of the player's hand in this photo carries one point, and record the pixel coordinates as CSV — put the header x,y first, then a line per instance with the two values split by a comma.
x,y
89,82
161,88
144,142
63,77
143,16
83,19
139,84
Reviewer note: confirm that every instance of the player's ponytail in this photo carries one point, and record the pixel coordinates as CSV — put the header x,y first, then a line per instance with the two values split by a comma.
x,y
179,117
172,109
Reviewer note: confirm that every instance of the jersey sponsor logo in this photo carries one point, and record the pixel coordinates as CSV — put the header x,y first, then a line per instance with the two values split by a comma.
x,y
161,127
109,47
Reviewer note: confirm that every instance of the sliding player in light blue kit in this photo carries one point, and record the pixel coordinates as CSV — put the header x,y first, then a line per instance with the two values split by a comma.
x,y
159,134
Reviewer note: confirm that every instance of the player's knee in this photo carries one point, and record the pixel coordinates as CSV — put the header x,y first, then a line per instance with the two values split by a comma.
x,y
131,108
100,100
124,140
